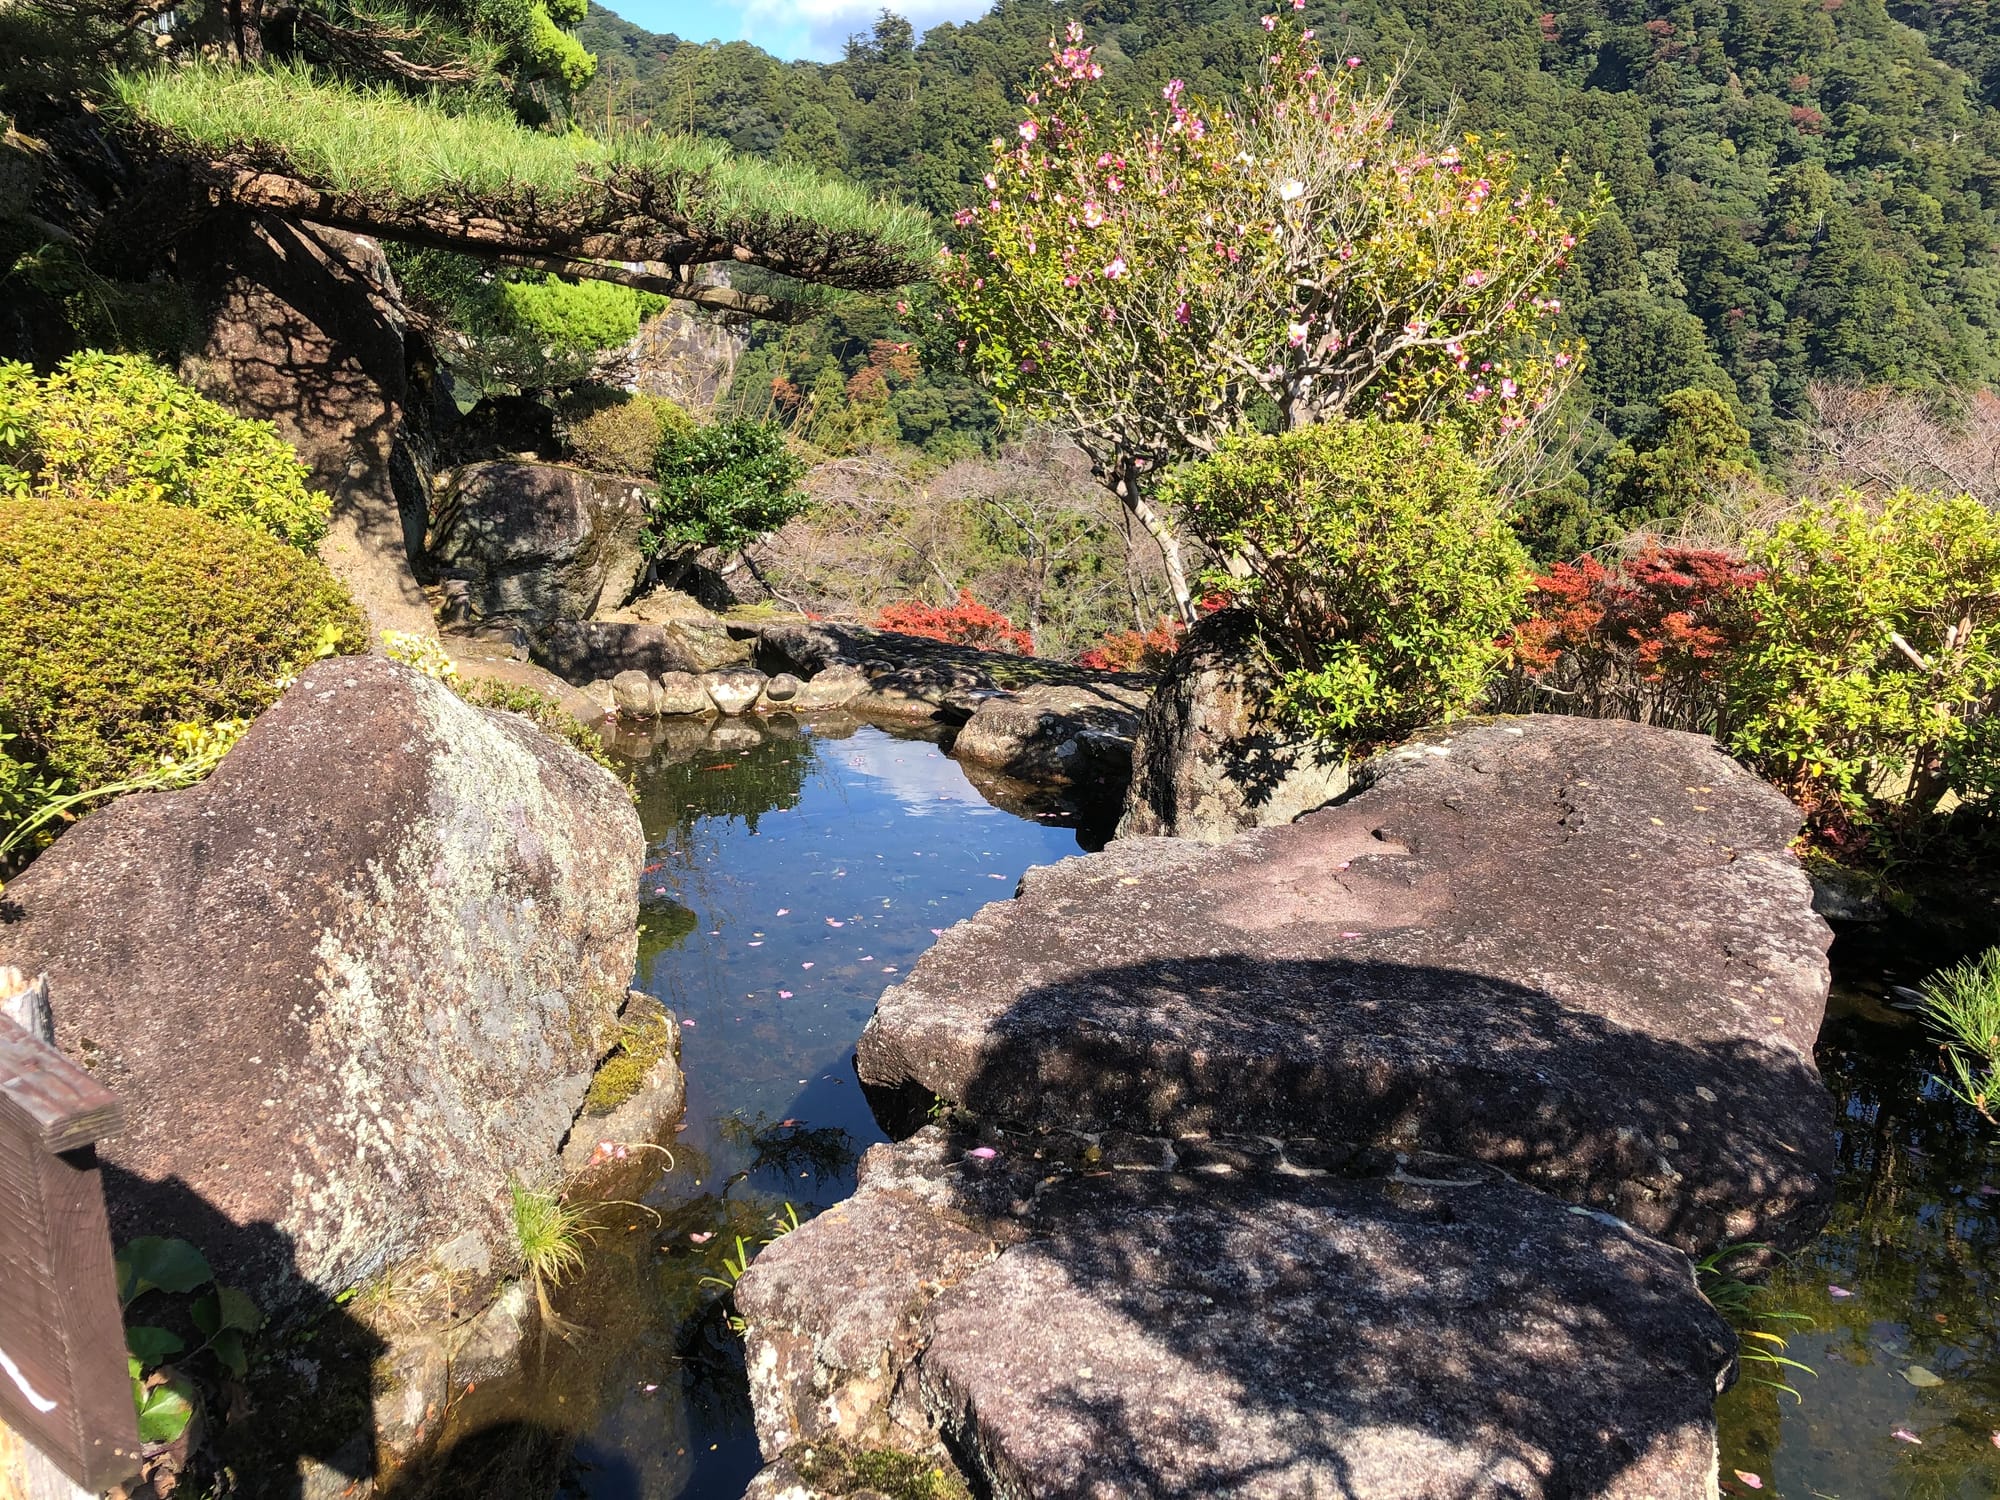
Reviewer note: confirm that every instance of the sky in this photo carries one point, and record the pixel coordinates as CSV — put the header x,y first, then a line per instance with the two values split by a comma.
x,y
787,28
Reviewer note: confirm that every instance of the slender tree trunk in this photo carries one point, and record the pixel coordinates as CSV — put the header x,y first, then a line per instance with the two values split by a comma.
x,y
1125,486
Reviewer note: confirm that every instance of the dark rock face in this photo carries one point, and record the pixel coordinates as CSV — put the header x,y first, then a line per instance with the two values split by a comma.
x,y
1208,765
536,545
1061,734
307,331
583,651
703,639
349,984
1581,951
1263,1333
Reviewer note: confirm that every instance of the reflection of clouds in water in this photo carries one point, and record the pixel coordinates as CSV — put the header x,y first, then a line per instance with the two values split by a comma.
x,y
916,774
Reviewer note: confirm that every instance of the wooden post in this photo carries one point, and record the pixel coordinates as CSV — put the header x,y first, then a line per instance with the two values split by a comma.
x,y
63,1382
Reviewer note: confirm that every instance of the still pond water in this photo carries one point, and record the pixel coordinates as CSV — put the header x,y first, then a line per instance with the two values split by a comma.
x,y
796,870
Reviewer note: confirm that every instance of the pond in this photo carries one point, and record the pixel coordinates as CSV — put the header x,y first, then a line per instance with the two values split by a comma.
x,y
794,870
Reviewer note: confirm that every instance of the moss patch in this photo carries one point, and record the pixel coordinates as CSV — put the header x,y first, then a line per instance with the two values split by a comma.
x,y
643,1039
901,1476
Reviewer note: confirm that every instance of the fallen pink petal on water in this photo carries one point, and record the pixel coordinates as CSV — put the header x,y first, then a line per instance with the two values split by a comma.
x,y
1350,935
789,1124
1750,1479
757,944
702,1236
1837,1292
937,932
982,1153
784,911
889,969
649,1389
868,958
1904,1435
659,890
806,965
784,994
688,1022
1996,1439
831,923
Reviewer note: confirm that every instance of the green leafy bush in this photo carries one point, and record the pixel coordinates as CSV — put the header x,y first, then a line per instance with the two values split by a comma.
x,y
120,621
576,317
119,427
624,436
723,486
1381,572
1866,687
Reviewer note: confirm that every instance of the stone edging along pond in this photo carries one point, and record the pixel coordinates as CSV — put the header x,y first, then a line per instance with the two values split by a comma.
x,y
1357,1157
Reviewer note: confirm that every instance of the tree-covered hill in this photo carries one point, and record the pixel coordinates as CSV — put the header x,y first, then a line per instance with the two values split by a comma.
x,y
1803,188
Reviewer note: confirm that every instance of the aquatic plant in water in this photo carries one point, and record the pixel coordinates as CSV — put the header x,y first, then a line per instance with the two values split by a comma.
x,y
1962,1008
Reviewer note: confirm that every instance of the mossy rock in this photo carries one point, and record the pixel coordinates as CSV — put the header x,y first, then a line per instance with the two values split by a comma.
x,y
836,1469
644,1037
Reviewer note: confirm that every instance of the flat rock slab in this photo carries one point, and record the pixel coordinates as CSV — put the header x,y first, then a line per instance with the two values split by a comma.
x,y
1065,734
1580,951
1255,1334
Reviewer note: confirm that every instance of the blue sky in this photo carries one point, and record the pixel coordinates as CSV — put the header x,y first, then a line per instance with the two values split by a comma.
x,y
788,28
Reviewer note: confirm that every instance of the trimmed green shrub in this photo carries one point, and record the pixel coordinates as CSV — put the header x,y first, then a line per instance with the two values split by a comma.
x,y
1867,686
1381,572
723,486
120,621
573,317
119,427
624,436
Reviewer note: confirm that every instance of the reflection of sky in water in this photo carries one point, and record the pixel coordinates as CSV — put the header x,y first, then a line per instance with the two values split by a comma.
x,y
817,869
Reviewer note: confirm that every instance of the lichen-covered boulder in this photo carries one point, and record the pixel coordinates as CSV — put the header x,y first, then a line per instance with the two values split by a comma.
x,y
683,696
1581,951
349,985
702,637
832,687
635,696
539,544
1210,762
734,692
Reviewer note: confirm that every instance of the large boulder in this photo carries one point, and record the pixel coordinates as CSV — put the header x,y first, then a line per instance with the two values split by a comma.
x,y
348,986
583,651
538,544
306,329
1210,763
1370,1328
1580,951
1060,733
703,639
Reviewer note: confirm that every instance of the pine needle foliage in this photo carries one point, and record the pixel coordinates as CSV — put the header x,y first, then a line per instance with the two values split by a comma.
x,y
379,145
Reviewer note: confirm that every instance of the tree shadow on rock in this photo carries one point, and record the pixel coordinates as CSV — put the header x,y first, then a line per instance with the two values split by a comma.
x,y
301,1424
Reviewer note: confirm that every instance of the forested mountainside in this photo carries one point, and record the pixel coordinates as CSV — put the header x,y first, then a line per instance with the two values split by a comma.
x,y
1803,189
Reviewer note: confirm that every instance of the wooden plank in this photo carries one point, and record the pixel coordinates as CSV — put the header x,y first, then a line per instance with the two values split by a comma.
x,y
50,1099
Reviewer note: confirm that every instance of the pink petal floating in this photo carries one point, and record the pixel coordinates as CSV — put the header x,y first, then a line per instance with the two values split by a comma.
x,y
807,965
831,923
1350,934
702,1236
1987,1190
789,1124
659,890
784,911
1904,1435
1996,1439
996,877
756,944
1837,1292
687,1021
982,1153
937,932
649,1389
868,958
1750,1479
784,994
889,969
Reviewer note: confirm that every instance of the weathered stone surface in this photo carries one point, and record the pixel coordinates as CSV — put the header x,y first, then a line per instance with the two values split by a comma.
x,y
733,692
702,638
782,691
1260,1334
921,692
536,544
585,650
306,330
607,1154
349,984
1055,733
683,696
1581,951
1208,764
832,687
635,696
481,662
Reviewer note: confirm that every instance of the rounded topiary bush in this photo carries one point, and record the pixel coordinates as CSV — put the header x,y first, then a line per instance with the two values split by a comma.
x,y
622,436
119,427
119,621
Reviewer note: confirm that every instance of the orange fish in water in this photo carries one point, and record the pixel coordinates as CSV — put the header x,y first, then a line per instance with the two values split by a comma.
x,y
727,765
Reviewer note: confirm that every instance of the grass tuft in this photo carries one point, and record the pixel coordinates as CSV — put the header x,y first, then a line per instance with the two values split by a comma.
x,y
1962,1008
550,1234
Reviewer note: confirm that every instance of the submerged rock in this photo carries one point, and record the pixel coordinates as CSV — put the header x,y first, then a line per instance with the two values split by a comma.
x,y
1581,951
1060,734
1260,1334
1209,763
350,985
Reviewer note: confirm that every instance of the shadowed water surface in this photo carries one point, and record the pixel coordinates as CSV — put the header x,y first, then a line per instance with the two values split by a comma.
x,y
794,871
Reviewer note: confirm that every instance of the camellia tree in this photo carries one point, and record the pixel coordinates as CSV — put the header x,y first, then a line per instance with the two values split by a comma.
x,y
1150,286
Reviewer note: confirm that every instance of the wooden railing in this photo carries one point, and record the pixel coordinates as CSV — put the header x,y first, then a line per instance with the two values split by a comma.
x,y
64,1387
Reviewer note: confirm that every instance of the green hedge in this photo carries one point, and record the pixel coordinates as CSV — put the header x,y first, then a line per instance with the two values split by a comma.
x,y
119,427
119,621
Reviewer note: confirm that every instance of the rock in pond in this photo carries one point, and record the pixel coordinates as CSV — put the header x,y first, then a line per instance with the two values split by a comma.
x,y
734,692
584,650
539,544
683,696
1370,1333
703,639
1054,733
349,985
781,692
635,696
833,687
1209,764
1580,951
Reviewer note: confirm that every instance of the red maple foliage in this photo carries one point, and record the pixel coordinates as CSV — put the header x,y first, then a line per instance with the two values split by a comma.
x,y
1136,651
1645,637
966,623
